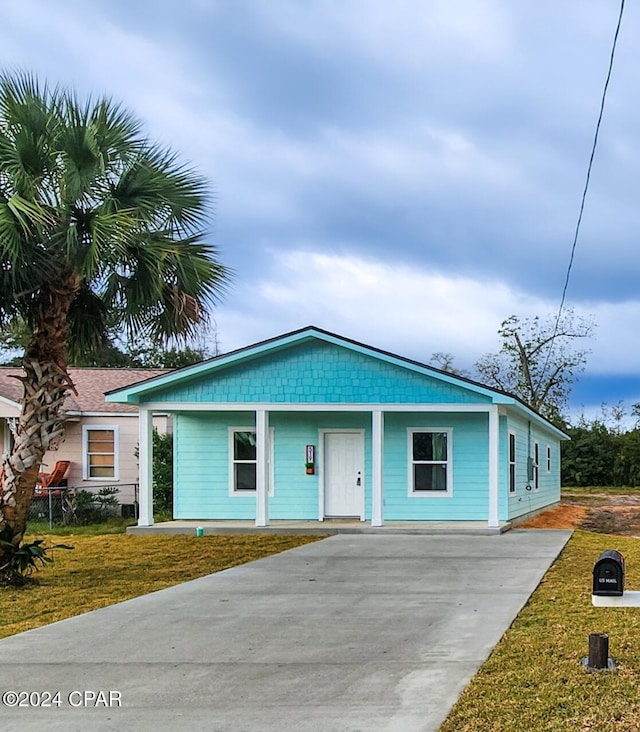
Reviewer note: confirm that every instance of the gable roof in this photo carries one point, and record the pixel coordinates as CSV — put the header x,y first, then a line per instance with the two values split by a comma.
x,y
143,391
137,392
90,383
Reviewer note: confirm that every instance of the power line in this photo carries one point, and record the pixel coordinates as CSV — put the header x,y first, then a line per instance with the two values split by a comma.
x,y
586,187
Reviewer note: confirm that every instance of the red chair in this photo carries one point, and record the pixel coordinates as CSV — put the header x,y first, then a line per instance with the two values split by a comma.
x,y
46,481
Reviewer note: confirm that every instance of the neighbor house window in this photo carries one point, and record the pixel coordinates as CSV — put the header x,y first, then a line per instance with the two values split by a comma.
x,y
548,458
8,428
512,462
100,453
243,460
429,462
536,466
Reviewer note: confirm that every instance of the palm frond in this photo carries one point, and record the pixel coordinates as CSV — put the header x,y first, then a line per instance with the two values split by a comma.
x,y
30,216
87,324
85,198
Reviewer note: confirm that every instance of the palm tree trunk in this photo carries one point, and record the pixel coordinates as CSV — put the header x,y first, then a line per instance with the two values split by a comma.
x,y
40,425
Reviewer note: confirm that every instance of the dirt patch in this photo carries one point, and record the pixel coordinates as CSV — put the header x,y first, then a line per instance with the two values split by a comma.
x,y
561,517
600,499
624,521
599,512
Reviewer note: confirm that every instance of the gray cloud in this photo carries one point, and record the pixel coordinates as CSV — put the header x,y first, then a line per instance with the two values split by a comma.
x,y
428,137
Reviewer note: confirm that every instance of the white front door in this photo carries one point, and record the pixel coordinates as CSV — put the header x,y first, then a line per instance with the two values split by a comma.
x,y
344,474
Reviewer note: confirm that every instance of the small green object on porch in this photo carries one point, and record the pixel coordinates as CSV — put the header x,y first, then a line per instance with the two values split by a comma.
x,y
199,531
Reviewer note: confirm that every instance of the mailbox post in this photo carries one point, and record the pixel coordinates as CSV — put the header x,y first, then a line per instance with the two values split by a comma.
x,y
608,591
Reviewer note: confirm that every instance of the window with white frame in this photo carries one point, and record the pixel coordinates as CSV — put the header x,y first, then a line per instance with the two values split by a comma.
x,y
100,452
429,461
512,462
548,458
536,466
243,460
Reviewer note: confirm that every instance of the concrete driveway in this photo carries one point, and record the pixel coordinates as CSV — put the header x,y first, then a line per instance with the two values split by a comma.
x,y
350,633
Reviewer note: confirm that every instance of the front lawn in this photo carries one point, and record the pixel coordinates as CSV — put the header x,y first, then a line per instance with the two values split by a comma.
x,y
534,680
103,570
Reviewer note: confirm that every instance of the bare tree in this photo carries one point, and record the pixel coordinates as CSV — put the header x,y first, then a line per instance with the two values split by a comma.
x,y
538,361
444,362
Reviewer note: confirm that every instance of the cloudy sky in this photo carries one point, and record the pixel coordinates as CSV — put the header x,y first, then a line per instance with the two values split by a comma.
x,y
406,173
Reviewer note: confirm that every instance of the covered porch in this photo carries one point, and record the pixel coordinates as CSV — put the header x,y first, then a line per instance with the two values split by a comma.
x,y
376,417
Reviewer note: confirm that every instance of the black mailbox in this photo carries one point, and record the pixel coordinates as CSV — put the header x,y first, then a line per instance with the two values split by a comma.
x,y
608,574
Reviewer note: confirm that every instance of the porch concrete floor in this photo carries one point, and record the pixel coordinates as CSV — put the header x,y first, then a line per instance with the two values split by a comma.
x,y
329,526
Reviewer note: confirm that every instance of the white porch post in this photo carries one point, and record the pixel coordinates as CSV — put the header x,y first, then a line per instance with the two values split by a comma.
x,y
377,446
494,472
145,458
262,467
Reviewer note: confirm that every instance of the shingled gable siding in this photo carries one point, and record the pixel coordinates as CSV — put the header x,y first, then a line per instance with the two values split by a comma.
x,y
318,372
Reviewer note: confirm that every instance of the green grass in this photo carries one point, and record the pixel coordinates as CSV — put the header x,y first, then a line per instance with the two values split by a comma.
x,y
102,570
534,681
587,491
109,526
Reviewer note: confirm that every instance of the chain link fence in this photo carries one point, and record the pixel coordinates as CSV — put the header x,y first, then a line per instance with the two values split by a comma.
x,y
72,506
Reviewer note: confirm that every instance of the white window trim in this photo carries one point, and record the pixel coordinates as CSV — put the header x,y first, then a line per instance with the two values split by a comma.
x,y
232,488
548,458
513,462
116,452
449,463
536,466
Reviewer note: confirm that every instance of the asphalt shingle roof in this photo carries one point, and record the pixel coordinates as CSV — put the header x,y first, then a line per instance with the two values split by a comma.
x,y
91,385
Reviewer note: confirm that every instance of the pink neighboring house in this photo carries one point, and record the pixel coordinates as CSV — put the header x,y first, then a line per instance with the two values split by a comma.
x,y
100,438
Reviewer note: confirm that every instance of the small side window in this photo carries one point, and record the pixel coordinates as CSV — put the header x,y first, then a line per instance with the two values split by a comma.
x,y
512,462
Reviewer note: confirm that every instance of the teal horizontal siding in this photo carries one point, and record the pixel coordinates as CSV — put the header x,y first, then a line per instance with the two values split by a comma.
x,y
318,372
296,494
469,499
201,466
524,501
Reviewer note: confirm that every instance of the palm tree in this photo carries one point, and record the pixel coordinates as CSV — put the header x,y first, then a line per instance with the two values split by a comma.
x,y
97,225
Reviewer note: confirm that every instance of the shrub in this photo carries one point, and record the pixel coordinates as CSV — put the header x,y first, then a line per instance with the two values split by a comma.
x,y
163,474
20,561
83,507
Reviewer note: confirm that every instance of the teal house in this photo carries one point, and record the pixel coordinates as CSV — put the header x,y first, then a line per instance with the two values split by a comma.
x,y
313,426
